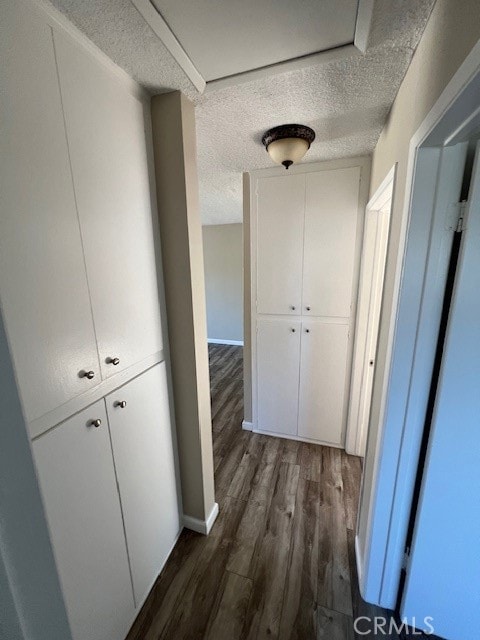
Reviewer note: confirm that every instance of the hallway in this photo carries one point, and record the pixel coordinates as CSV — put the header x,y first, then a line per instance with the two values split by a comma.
x,y
279,562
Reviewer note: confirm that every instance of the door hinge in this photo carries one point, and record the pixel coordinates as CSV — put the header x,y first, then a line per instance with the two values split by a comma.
x,y
406,559
462,208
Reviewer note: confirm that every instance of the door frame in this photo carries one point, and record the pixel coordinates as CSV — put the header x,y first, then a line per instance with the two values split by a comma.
x,y
411,348
355,437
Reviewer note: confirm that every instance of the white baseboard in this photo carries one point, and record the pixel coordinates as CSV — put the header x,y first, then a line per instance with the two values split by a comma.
x,y
247,426
238,343
359,563
201,526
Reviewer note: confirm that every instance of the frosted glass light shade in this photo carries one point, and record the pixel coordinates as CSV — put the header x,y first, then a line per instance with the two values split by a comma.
x,y
288,150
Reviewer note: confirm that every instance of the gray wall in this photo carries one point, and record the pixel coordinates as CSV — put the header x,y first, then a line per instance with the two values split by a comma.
x,y
223,257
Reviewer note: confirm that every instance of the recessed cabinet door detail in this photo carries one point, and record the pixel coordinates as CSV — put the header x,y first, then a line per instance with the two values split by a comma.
x,y
107,141
43,284
142,446
280,213
323,367
278,358
77,479
331,213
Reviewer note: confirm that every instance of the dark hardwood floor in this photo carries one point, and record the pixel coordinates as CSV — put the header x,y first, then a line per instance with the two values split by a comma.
x,y
279,562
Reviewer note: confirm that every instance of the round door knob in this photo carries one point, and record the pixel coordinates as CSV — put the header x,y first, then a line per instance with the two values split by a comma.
x,y
292,307
308,308
293,330
307,330
120,403
96,423
87,374
113,361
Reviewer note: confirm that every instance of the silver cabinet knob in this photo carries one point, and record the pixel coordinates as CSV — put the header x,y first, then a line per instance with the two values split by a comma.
x,y
308,308
120,403
95,423
87,374
113,361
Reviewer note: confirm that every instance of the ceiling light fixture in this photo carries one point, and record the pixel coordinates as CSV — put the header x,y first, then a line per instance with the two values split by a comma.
x,y
288,143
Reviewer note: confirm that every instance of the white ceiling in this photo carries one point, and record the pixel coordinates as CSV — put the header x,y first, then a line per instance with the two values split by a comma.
x,y
346,100
226,38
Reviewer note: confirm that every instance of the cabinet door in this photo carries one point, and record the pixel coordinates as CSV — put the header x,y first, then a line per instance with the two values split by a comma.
x,y
142,446
331,212
107,140
278,358
77,479
43,284
280,213
323,368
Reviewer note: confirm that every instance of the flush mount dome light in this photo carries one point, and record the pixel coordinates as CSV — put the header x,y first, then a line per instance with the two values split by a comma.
x,y
288,143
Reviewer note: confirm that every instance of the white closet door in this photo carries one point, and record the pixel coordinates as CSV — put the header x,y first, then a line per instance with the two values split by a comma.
x,y
105,128
143,451
331,212
43,285
280,215
77,479
323,368
278,359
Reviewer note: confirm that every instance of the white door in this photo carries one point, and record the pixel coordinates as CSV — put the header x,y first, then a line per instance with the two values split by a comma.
x,y
443,577
141,433
323,369
278,360
280,217
77,479
106,134
331,213
374,253
43,284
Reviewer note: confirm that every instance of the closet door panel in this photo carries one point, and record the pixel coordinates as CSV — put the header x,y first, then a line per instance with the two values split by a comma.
x,y
142,446
278,359
280,213
43,284
331,212
323,368
105,128
77,479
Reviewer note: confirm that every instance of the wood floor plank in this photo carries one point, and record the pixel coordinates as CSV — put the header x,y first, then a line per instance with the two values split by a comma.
x,y
332,625
352,477
334,589
310,461
264,612
229,616
299,611
246,545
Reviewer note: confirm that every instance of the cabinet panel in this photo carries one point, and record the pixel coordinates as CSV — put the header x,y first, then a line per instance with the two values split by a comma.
x,y
323,368
43,284
331,212
105,128
76,473
278,358
143,451
280,214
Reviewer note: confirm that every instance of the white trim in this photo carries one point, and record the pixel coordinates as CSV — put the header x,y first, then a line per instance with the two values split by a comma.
x,y
359,563
381,537
166,35
320,57
57,20
363,25
355,438
238,343
288,436
247,426
202,526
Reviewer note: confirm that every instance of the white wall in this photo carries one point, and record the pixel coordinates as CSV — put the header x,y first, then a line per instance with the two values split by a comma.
x,y
223,257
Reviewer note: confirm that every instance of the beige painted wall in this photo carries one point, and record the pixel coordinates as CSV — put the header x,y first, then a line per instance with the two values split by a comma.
x,y
174,143
223,258
452,31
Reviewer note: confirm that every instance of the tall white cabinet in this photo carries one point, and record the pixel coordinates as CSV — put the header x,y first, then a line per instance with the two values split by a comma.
x,y
305,239
80,291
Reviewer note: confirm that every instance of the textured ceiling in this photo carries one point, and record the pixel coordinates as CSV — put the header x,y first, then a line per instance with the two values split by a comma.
x,y
346,101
